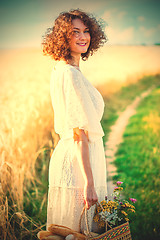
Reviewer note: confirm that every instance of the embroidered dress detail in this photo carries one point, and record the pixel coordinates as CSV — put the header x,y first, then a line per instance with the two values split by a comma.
x,y
76,103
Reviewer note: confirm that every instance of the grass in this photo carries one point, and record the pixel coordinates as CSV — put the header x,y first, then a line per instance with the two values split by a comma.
x,y
138,164
117,102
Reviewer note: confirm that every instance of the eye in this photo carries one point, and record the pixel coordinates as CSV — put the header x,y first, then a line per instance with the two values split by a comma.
x,y
75,32
86,31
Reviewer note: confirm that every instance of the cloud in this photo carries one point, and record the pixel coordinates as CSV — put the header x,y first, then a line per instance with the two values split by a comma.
x,y
141,19
110,15
121,15
107,16
117,36
147,32
151,35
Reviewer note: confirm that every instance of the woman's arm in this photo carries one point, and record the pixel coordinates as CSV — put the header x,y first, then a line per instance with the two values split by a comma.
x,y
90,195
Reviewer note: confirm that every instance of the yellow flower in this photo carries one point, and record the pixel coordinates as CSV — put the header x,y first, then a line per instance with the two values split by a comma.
x,y
118,189
124,213
128,205
101,224
96,218
98,209
132,210
123,205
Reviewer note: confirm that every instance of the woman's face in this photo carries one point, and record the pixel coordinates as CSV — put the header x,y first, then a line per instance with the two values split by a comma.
x,y
80,39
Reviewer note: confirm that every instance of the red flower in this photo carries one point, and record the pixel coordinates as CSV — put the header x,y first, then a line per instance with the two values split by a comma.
x,y
133,200
119,183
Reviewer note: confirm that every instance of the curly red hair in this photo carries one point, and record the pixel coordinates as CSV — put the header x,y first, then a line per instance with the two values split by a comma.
x,y
56,39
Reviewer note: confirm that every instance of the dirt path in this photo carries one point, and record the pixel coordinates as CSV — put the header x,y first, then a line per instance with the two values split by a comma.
x,y
116,137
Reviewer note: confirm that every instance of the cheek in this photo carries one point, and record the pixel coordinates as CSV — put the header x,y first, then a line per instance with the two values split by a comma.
x,y
72,43
89,39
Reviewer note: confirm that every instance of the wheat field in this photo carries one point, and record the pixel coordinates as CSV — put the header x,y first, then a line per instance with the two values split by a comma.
x,y
114,66
26,113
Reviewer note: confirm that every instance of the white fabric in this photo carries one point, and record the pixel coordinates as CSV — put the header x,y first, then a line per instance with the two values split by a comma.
x,y
76,103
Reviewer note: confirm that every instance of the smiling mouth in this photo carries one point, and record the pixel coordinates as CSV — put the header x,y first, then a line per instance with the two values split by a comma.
x,y
82,44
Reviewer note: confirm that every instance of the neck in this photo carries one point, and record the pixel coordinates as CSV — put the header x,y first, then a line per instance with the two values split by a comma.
x,y
75,60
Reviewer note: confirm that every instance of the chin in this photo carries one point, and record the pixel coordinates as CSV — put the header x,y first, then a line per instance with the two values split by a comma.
x,y
84,50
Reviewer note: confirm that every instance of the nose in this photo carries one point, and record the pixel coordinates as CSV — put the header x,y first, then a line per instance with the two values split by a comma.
x,y
82,35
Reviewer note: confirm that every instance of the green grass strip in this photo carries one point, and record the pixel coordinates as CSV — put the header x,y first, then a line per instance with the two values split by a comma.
x,y
117,102
138,165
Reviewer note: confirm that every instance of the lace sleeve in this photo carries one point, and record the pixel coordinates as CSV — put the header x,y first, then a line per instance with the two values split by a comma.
x,y
80,110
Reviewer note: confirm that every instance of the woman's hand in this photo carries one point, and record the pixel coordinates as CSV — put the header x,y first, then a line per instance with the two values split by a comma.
x,y
90,195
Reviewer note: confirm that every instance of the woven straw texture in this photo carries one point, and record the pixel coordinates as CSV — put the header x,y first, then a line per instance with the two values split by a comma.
x,y
117,233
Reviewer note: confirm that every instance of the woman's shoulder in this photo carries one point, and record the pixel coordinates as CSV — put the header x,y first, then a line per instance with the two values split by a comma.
x,y
66,68
67,76
67,71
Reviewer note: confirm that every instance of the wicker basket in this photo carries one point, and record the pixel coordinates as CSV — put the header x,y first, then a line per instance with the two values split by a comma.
x,y
122,232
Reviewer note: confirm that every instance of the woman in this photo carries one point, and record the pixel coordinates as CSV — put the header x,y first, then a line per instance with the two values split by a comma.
x,y
77,171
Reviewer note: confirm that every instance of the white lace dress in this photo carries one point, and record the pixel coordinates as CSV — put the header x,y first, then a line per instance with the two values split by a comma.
x,y
76,103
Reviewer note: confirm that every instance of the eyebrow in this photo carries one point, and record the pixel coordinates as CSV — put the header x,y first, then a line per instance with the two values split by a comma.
x,y
79,28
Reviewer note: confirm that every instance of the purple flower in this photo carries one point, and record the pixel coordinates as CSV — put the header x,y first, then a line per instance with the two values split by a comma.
x,y
115,198
119,183
121,203
133,200
106,197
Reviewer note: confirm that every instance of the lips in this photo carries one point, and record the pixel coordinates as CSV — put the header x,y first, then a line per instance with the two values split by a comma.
x,y
82,44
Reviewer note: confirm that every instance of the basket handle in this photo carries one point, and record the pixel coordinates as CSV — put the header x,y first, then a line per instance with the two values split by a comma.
x,y
84,211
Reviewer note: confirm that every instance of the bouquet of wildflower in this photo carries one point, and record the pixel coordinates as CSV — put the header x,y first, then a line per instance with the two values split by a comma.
x,y
115,212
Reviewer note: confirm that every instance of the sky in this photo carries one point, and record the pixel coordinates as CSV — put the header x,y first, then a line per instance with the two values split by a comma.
x,y
128,22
